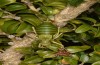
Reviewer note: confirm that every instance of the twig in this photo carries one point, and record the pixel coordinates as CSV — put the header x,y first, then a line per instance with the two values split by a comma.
x,y
10,16
30,5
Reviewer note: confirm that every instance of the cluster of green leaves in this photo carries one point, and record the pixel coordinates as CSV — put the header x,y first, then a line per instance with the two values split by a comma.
x,y
83,32
44,56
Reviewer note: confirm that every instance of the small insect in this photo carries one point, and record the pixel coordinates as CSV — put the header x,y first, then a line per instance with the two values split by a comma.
x,y
47,34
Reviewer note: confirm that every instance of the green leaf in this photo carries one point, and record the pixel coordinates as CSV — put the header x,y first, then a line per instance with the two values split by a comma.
x,y
32,19
47,10
89,19
2,22
25,50
54,63
56,4
76,21
6,25
96,63
97,34
6,2
23,28
33,59
83,28
75,2
15,7
84,58
74,49
75,56
1,13
97,24
94,57
13,27
54,47
65,29
97,47
46,54
70,60
47,62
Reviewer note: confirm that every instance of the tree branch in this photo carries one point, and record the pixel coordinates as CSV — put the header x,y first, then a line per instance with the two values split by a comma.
x,y
71,12
12,57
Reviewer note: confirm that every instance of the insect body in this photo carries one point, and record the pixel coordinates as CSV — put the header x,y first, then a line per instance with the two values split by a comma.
x,y
46,28
46,32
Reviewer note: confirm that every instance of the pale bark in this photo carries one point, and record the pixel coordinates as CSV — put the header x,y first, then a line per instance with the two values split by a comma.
x,y
10,56
71,12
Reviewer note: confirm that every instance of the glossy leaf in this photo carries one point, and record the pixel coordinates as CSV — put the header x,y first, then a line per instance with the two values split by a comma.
x,y
47,10
75,56
74,49
6,25
94,57
46,54
97,34
56,4
23,28
13,27
48,62
16,6
96,63
32,19
2,22
25,50
53,47
6,2
97,47
69,60
1,13
33,59
83,28
76,21
89,19
75,2
54,63
84,58
65,29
